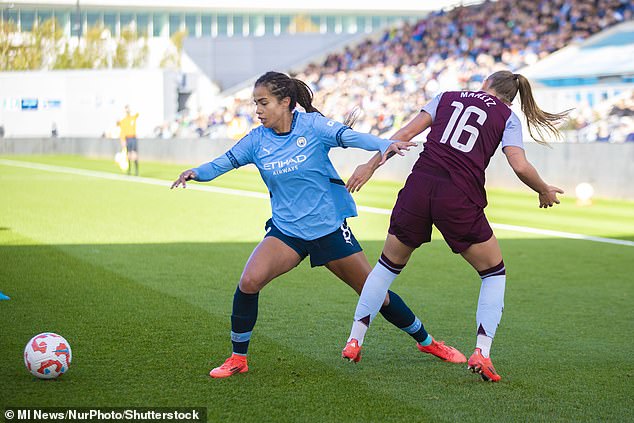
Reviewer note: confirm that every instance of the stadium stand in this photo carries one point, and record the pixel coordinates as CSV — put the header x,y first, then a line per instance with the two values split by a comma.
x,y
596,78
610,121
390,78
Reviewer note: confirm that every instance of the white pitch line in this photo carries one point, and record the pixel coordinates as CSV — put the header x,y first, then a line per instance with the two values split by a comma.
x,y
128,178
252,194
559,234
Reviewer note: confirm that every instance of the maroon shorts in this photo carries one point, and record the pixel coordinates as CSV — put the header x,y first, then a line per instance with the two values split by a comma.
x,y
430,197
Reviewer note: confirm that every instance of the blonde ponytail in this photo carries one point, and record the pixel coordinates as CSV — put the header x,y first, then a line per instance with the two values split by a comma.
x,y
541,124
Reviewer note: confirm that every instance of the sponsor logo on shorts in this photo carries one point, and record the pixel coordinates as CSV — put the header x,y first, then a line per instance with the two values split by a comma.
x,y
347,235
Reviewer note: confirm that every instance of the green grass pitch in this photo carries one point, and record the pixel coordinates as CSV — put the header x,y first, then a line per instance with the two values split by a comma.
x,y
139,279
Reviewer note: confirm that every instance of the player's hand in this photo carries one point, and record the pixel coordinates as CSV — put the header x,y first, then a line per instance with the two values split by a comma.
x,y
549,197
360,176
396,147
188,175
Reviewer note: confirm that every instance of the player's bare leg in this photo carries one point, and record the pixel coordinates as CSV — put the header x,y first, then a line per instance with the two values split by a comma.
x,y
270,259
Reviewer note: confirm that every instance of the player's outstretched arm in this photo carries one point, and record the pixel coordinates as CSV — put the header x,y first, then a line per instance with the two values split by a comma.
x,y
364,172
396,147
414,127
187,175
237,156
528,174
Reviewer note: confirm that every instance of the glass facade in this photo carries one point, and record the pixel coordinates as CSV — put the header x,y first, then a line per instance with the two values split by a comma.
x,y
175,22
205,25
257,27
161,23
285,25
44,15
11,15
223,25
127,20
269,25
191,24
94,19
27,20
110,22
76,24
331,24
239,26
158,19
142,24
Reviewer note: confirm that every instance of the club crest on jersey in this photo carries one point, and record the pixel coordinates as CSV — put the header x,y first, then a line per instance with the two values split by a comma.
x,y
331,123
301,142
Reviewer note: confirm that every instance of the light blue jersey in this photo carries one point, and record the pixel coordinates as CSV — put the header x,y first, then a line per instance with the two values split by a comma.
x,y
308,198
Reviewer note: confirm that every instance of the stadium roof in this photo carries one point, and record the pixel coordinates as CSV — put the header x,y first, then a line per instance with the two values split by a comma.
x,y
606,55
357,6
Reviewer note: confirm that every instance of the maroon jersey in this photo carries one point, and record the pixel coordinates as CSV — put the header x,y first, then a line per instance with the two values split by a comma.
x,y
467,127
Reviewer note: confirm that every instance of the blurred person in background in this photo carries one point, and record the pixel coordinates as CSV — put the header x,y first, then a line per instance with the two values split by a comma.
x,y
128,138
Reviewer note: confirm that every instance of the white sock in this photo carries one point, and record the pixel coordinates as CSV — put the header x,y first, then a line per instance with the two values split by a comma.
x,y
371,300
484,343
490,307
358,331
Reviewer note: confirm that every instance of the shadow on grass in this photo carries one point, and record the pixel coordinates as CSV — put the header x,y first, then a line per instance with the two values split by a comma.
x,y
146,322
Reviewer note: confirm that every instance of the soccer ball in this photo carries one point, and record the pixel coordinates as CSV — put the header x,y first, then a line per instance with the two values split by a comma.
x,y
47,355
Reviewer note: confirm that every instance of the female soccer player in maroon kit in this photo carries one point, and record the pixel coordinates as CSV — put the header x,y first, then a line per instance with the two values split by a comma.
x,y
446,189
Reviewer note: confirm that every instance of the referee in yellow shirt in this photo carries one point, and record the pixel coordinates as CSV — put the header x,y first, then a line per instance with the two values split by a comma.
x,y
129,140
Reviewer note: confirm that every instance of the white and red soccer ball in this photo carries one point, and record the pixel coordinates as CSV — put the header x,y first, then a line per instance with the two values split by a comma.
x,y
47,355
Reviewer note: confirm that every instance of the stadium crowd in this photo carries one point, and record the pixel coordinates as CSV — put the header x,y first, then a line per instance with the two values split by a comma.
x,y
609,121
389,78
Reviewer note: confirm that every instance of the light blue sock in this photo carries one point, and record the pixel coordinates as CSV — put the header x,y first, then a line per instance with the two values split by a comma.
x,y
427,341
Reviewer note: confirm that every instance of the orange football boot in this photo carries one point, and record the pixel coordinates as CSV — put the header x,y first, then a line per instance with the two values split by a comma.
x,y
352,351
442,351
233,365
482,365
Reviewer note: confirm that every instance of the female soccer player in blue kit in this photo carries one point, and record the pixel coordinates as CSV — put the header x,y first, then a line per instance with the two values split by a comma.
x,y
446,189
310,205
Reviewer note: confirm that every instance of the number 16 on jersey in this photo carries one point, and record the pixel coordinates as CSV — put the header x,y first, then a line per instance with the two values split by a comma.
x,y
458,124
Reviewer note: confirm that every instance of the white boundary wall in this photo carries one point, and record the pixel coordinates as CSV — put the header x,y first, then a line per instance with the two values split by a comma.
x,y
608,167
85,103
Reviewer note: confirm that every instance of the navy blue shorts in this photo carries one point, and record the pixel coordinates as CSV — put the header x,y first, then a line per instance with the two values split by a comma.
x,y
334,246
430,197
131,144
